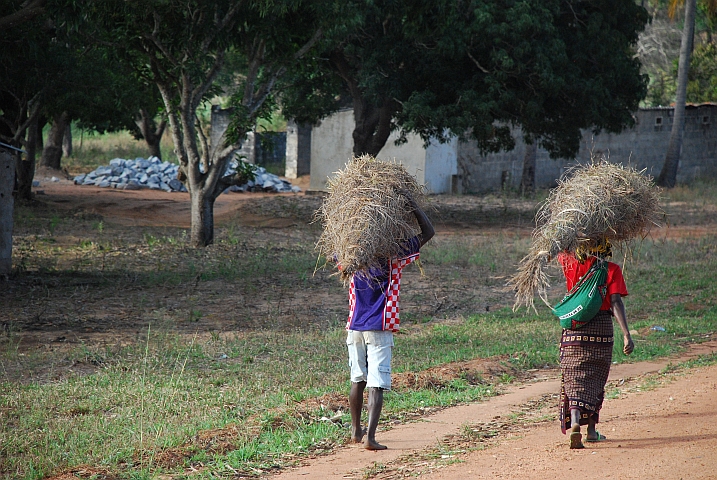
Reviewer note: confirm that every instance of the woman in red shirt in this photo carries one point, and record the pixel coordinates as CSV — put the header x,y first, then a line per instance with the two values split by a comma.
x,y
586,353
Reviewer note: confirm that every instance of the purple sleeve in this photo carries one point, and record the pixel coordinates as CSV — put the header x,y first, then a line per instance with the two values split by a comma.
x,y
411,247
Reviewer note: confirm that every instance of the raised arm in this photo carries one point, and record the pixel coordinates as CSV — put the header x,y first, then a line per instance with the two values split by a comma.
x,y
618,309
427,230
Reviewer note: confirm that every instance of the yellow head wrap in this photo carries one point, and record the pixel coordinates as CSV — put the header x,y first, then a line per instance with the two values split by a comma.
x,y
601,248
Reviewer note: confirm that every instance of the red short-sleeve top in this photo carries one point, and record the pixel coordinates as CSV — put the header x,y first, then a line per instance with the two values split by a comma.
x,y
573,270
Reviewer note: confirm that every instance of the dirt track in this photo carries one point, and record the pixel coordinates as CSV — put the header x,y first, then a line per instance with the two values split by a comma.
x,y
665,433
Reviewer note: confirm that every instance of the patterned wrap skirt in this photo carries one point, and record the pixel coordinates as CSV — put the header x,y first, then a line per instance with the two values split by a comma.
x,y
585,359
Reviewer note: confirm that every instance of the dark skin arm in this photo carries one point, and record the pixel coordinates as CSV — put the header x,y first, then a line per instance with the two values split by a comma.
x,y
618,309
427,230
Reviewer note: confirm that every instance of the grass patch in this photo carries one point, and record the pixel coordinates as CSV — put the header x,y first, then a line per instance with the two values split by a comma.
x,y
91,150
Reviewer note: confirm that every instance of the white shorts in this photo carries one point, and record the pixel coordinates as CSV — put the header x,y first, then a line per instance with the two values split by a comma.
x,y
370,357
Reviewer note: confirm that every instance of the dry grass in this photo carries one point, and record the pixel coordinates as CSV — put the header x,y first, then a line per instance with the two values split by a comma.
x,y
599,200
367,217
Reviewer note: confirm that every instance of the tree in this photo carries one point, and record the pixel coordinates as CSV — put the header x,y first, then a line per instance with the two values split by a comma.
x,y
181,46
52,151
28,66
99,92
367,61
150,130
478,69
21,12
657,49
668,174
702,77
527,180
705,65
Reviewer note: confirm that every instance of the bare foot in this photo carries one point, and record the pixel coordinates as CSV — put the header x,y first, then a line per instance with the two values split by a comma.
x,y
358,437
373,445
576,441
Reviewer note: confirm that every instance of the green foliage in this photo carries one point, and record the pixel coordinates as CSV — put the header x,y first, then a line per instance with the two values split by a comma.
x,y
548,67
660,51
702,79
246,171
30,64
661,89
183,48
478,68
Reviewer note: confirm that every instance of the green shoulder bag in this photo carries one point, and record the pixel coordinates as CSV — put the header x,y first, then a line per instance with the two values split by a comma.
x,y
583,301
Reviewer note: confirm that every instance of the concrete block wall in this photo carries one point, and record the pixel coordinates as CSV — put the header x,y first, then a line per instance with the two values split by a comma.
x,y
332,148
642,146
218,125
298,150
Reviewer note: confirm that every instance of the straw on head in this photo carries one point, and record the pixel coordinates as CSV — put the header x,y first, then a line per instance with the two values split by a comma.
x,y
599,200
366,216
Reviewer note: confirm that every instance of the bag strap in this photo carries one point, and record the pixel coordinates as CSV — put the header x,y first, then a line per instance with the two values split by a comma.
x,y
597,265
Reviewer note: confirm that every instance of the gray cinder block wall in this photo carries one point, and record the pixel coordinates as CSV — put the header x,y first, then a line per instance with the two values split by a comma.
x,y
219,122
642,146
298,149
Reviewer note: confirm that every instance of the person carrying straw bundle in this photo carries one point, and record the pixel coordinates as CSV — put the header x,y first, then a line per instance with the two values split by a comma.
x,y
373,227
599,205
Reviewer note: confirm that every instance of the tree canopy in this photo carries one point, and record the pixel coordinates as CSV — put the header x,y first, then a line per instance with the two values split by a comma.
x,y
481,67
182,47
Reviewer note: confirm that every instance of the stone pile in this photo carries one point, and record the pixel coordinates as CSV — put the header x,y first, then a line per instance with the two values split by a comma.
x,y
158,175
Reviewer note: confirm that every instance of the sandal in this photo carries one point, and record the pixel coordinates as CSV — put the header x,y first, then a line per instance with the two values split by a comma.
x,y
600,438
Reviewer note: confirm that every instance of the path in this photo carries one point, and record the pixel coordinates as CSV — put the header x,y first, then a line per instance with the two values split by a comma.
x,y
651,435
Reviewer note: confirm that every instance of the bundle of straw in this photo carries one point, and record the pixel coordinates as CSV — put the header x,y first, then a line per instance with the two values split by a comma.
x,y
366,216
601,200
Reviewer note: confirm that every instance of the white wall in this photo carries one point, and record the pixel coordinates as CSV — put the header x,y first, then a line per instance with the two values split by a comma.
x,y
332,147
441,165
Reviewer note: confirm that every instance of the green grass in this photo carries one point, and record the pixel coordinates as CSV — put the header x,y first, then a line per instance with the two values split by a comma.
x,y
158,393
91,150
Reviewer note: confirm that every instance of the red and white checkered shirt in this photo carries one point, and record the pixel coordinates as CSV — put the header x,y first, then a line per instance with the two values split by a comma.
x,y
374,302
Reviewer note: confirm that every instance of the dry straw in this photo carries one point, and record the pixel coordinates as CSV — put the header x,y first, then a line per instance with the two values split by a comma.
x,y
599,200
366,216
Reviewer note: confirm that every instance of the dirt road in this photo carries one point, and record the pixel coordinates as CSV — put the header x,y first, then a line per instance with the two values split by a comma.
x,y
664,433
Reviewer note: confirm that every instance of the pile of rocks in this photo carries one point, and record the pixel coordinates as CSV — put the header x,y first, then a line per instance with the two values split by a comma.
x,y
158,175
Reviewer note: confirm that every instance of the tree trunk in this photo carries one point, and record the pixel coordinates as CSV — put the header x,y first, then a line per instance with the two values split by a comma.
x,y
41,122
52,153
151,132
7,182
527,181
373,122
25,169
668,175
67,141
202,218
373,126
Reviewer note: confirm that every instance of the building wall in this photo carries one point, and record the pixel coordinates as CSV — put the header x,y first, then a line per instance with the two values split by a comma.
x,y
219,122
642,146
332,148
645,145
298,150
441,166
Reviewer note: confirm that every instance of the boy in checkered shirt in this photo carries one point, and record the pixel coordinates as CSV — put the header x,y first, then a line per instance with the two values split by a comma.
x,y
373,317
